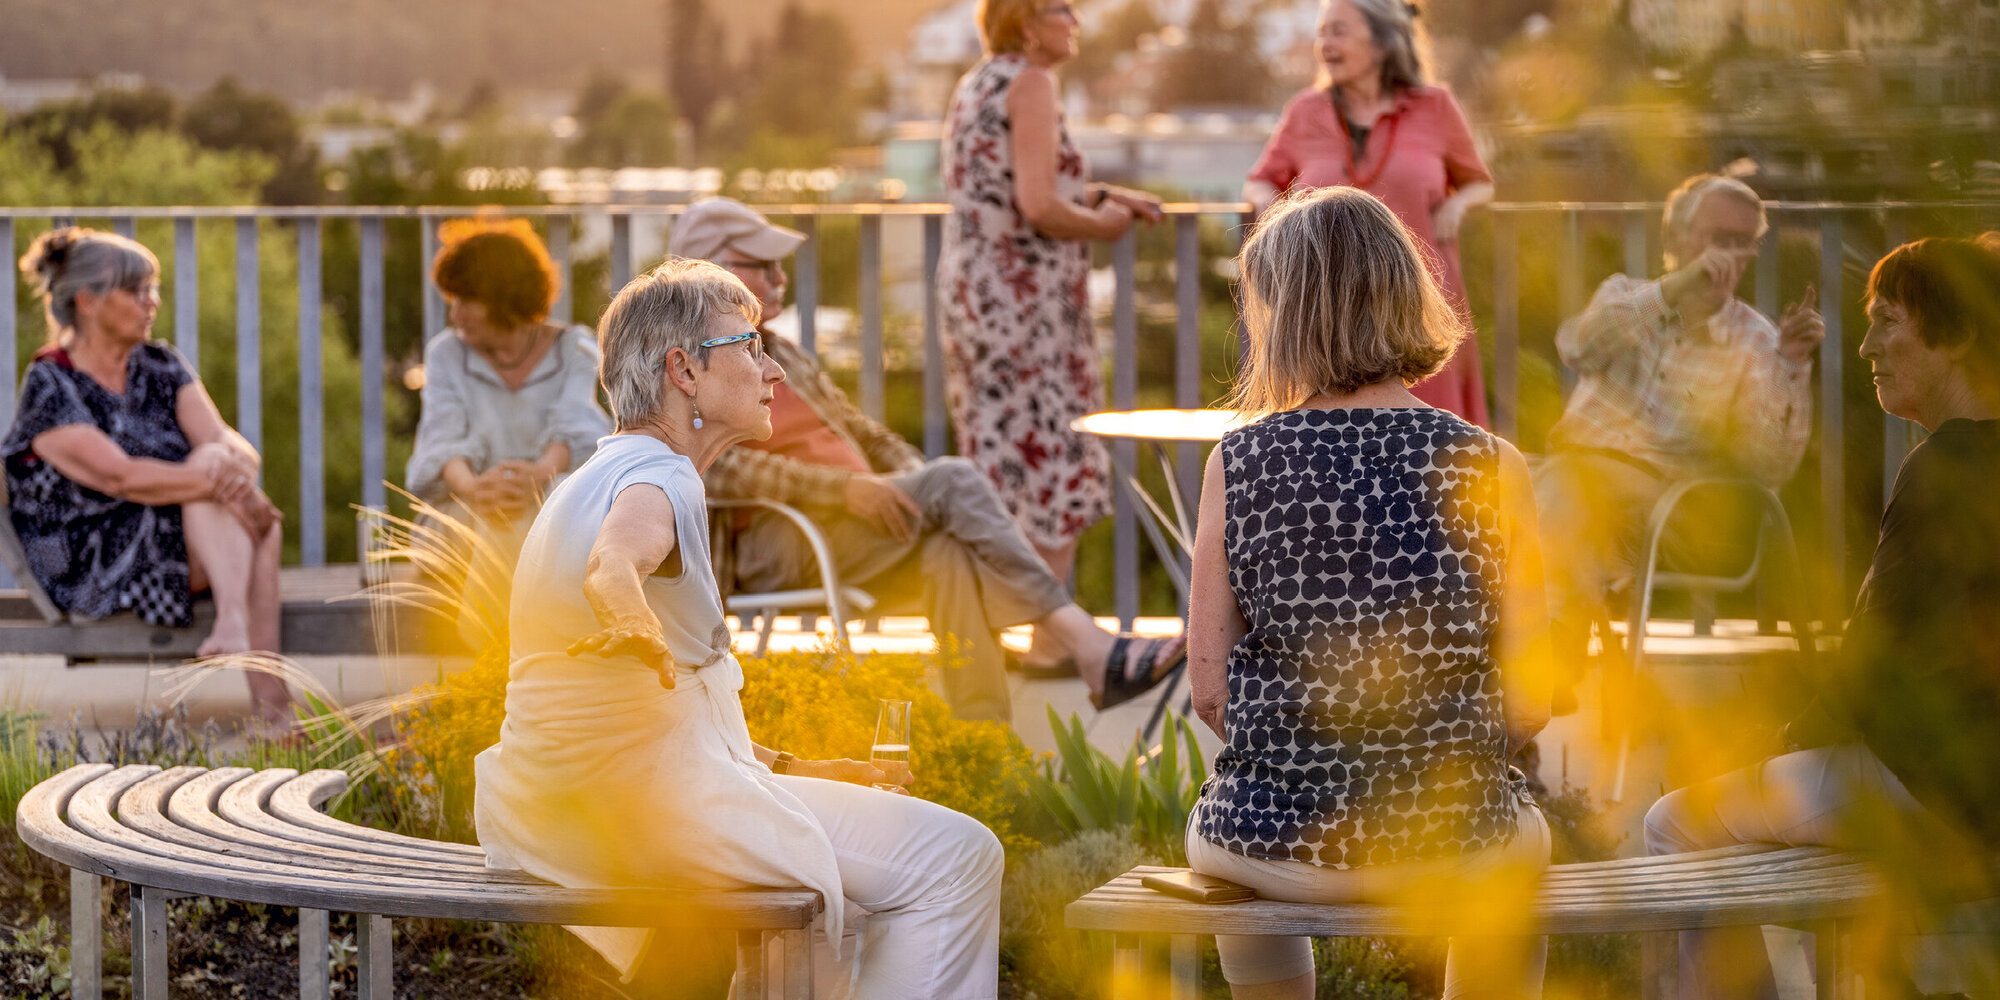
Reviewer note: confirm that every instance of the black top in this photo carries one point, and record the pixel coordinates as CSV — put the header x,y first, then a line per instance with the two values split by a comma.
x,y
95,554
1365,719
1919,673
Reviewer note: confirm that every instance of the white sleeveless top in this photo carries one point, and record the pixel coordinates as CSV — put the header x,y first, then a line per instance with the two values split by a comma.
x,y
603,777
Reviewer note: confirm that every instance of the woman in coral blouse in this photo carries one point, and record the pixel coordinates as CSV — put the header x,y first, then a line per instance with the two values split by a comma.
x,y
1371,122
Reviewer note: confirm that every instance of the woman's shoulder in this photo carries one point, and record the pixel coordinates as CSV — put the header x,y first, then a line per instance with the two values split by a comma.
x,y
578,338
1431,98
444,345
1306,98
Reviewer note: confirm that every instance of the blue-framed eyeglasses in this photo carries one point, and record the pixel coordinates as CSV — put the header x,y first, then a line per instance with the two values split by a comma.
x,y
737,338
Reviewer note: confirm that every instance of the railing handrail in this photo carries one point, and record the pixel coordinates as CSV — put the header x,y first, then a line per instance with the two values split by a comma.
x,y
887,209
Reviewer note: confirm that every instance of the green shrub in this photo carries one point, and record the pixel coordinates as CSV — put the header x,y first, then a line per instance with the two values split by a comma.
x,y
1083,790
1047,960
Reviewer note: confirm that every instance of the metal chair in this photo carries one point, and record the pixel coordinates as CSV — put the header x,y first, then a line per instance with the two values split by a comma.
x,y
842,604
1774,544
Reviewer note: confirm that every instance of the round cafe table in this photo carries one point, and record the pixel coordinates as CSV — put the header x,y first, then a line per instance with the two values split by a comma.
x,y
1168,528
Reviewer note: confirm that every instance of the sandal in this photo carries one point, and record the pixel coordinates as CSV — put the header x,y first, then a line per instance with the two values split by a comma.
x,y
1062,669
1122,685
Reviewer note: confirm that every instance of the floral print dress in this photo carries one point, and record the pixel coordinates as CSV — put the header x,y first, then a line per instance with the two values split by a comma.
x,y
1020,358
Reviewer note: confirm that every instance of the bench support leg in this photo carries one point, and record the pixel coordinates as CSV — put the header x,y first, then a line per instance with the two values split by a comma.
x,y
749,966
1185,952
149,943
377,959
86,935
799,964
315,976
1128,967
1660,966
1833,961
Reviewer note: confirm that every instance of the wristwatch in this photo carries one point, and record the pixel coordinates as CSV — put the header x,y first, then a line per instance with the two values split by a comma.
x,y
783,765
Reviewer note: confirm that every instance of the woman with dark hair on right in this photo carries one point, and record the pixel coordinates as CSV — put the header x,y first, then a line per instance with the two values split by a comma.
x,y
1901,757
1367,624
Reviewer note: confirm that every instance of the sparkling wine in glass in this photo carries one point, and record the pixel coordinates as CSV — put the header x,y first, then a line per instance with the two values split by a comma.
x,y
892,734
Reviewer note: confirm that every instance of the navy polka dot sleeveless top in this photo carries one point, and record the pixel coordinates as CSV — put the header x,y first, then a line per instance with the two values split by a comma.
x,y
1364,716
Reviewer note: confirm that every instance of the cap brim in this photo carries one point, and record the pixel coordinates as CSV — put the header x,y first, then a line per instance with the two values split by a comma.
x,y
773,242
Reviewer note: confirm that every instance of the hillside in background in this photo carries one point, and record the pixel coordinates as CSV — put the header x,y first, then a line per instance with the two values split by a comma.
x,y
305,51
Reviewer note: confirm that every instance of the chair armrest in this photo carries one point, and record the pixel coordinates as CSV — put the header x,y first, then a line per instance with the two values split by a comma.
x,y
829,576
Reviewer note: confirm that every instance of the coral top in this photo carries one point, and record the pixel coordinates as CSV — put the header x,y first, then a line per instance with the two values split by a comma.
x,y
1431,156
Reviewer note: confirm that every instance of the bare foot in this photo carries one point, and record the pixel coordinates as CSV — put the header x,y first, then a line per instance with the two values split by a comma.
x,y
226,638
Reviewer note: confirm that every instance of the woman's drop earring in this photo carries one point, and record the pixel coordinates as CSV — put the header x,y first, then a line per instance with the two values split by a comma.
x,y
697,414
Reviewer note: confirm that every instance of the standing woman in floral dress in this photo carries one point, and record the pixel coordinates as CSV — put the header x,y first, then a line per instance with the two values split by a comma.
x,y
1020,359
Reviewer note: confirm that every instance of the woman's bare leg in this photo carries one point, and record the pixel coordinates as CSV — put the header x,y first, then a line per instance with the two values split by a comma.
x,y
242,577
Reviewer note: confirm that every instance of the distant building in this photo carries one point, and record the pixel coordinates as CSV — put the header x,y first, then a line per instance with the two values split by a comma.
x,y
18,95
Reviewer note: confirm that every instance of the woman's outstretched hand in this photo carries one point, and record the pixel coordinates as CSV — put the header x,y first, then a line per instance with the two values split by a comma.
x,y
640,641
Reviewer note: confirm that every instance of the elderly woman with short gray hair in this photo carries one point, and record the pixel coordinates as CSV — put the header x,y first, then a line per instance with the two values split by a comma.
x,y
127,488
625,759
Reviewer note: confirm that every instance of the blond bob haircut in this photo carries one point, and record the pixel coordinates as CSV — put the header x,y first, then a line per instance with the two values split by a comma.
x,y
1003,24
1336,295
674,305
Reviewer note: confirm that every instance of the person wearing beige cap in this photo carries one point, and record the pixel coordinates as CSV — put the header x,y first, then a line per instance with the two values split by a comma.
x,y
929,533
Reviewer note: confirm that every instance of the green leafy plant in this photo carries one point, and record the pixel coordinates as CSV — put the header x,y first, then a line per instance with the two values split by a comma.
x,y
1152,794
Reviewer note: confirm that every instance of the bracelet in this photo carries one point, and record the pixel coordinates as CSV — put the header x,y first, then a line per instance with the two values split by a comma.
x,y
783,765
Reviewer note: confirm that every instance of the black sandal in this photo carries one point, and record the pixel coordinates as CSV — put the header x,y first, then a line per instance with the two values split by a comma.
x,y
1062,669
1120,685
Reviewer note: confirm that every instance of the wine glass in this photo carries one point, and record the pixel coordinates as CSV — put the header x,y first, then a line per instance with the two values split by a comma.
x,y
892,737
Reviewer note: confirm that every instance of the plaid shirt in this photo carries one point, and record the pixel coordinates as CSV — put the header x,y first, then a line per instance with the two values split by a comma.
x,y
1713,400
747,472
740,473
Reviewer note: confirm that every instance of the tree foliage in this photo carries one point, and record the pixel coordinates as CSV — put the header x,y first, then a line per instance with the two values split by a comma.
x,y
1220,64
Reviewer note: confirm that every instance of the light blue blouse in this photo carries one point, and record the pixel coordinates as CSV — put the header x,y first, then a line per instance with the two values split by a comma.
x,y
469,412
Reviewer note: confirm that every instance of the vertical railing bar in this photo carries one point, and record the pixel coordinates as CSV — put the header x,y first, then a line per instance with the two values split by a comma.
x,y
564,311
805,277
621,250
1506,327
1767,274
1187,349
9,323
373,444
434,313
1124,392
1833,485
1569,282
126,226
249,330
312,413
1895,430
187,292
934,415
1638,263
871,316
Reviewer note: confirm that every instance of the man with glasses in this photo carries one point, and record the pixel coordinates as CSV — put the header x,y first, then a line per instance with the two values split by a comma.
x,y
1676,378
929,533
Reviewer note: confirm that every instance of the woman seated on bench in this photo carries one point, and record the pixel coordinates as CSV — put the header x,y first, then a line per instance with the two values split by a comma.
x,y
1367,617
127,489
625,759
1902,756
509,399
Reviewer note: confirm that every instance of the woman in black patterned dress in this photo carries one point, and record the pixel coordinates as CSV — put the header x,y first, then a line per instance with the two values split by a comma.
x,y
1367,623
127,489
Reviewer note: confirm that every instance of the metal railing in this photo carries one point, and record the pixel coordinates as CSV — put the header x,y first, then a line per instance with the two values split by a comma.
x,y
1847,238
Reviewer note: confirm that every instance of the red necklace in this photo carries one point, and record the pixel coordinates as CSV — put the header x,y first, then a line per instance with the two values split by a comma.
x,y
1347,144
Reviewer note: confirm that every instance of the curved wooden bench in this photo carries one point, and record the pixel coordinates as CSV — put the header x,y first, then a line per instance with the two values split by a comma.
x,y
259,836
1813,887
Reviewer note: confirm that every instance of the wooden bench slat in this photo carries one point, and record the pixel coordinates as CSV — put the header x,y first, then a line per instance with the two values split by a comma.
x,y
40,823
198,803
297,802
141,809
